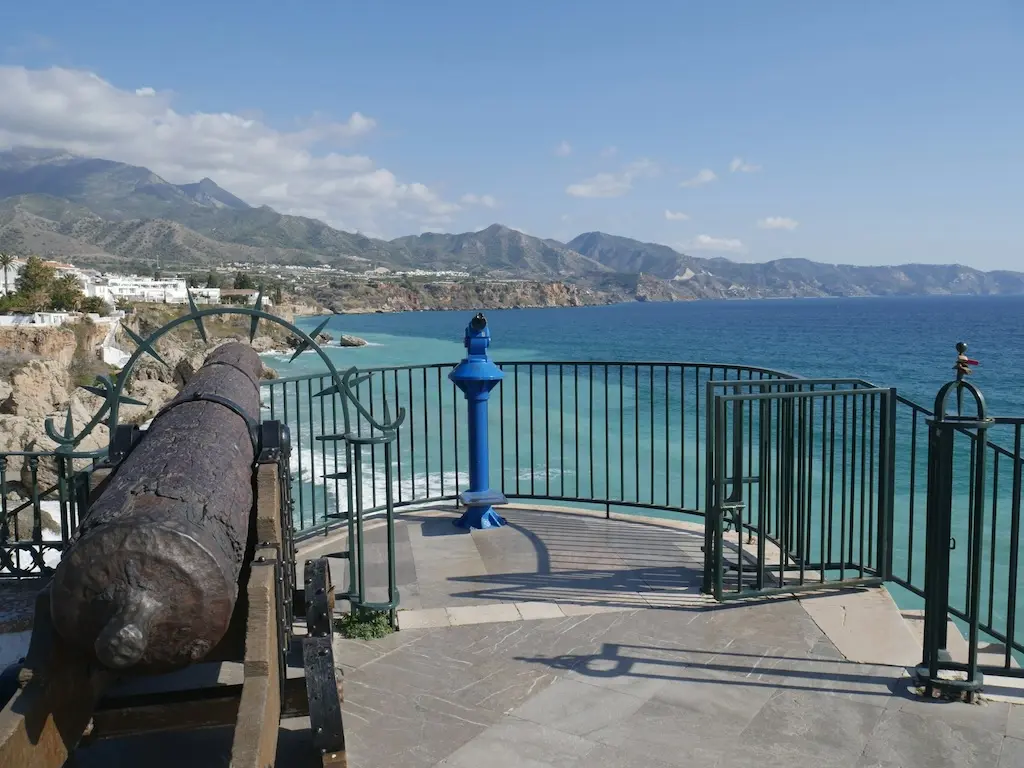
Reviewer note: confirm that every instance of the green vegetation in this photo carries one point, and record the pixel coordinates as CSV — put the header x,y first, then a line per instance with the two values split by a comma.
x,y
38,288
364,625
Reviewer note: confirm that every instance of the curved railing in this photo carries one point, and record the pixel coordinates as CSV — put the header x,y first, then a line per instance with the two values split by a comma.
x,y
616,436
611,434
623,436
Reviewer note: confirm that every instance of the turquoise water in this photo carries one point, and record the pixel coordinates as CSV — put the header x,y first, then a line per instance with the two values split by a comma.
x,y
645,425
905,343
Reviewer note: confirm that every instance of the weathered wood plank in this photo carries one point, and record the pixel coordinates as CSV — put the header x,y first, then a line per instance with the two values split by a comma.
x,y
259,711
45,720
150,580
268,505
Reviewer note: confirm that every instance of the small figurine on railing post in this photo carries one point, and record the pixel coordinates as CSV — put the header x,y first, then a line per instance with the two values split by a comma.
x,y
963,369
476,376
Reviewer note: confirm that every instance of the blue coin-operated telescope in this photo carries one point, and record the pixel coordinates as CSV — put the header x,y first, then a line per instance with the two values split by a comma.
x,y
476,376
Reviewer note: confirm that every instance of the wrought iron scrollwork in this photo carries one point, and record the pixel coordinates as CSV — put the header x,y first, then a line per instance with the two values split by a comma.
x,y
113,389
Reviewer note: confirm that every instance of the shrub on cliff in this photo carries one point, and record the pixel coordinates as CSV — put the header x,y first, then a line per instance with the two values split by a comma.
x,y
38,288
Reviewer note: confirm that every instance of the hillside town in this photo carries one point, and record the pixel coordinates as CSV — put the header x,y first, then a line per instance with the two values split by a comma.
x,y
25,300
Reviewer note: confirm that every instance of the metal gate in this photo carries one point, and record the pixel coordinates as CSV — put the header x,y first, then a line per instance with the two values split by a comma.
x,y
799,485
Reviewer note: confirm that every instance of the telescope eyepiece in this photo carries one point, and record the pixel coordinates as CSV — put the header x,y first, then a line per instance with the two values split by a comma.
x,y
478,323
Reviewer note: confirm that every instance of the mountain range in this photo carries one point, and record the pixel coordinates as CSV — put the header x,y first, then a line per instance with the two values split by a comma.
x,y
110,214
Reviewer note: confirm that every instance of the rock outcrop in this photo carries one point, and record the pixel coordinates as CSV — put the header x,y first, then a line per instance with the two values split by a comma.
x,y
46,343
38,389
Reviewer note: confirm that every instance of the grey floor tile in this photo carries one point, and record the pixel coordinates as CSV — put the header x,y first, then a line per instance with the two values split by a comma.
x,y
748,755
664,732
386,728
714,703
605,756
814,723
911,741
514,743
577,708
633,676
1012,755
1015,721
987,715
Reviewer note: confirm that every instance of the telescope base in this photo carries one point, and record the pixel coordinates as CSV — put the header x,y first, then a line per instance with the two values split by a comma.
x,y
480,518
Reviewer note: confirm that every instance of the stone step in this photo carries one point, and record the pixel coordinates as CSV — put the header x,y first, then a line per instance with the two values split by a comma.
x,y
865,626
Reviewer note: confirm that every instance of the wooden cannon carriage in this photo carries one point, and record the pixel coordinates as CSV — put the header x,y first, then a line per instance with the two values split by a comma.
x,y
174,605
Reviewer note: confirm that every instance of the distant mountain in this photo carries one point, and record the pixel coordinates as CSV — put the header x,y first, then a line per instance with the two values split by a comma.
x,y
621,254
497,249
719,277
103,212
205,192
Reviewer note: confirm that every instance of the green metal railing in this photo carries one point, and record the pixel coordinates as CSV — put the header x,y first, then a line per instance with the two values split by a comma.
x,y
28,547
633,436
801,471
616,435
624,436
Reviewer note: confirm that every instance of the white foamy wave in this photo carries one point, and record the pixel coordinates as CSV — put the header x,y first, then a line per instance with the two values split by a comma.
x,y
312,468
51,557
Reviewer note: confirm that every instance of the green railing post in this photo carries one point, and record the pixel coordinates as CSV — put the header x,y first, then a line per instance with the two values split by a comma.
x,y
886,483
943,429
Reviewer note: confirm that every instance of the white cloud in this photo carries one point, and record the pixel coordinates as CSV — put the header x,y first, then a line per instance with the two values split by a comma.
x,y
613,184
703,176
676,216
487,201
301,171
778,222
609,152
709,243
737,164
564,149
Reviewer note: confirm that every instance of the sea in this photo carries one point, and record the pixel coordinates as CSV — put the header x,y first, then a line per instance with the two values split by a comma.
x,y
906,343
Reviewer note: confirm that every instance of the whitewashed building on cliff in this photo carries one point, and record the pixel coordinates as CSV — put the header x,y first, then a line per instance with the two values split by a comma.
x,y
114,288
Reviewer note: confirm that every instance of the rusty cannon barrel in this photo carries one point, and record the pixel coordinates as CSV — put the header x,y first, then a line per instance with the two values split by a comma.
x,y
150,579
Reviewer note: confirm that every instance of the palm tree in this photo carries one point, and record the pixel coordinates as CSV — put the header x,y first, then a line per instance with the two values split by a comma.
x,y
6,261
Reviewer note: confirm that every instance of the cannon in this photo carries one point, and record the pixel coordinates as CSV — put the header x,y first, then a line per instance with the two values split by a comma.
x,y
173,606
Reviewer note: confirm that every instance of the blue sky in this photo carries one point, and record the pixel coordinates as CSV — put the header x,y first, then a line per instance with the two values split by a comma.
x,y
860,132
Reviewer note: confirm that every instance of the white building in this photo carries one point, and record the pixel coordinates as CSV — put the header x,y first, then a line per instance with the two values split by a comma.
x,y
114,288
36,318
206,295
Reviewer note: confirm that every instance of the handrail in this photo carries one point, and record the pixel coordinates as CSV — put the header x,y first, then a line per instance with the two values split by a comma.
x,y
596,363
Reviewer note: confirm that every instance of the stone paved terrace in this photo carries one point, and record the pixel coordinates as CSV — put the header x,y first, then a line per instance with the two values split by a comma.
x,y
566,640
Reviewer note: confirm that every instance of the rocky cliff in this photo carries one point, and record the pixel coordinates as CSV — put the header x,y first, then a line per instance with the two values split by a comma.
x,y
24,343
406,295
42,377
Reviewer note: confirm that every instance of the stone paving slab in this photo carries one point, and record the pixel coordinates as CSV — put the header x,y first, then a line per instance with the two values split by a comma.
x,y
865,625
549,648
627,689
